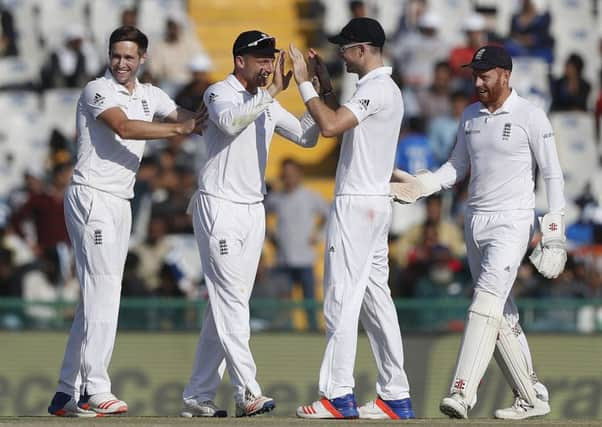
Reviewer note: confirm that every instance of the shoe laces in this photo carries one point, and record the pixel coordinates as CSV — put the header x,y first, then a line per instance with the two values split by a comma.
x,y
521,404
210,404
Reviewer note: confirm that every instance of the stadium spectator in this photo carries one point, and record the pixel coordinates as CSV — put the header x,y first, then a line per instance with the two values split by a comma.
x,y
442,129
48,282
435,100
413,150
169,61
191,95
8,33
133,285
474,27
10,281
45,210
301,213
416,53
530,33
71,65
152,252
448,233
571,91
129,17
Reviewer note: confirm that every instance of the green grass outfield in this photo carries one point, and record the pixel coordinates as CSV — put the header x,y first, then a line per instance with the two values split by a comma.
x,y
275,421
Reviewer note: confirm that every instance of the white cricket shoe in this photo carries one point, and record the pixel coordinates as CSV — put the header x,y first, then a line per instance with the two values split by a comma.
x,y
521,410
254,405
104,403
454,406
63,405
205,408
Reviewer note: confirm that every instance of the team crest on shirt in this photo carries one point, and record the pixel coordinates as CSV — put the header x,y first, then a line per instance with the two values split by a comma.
x,y
98,99
212,97
98,237
145,107
506,132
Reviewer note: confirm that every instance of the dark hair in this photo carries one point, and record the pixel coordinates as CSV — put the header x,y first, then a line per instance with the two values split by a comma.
x,y
577,61
129,34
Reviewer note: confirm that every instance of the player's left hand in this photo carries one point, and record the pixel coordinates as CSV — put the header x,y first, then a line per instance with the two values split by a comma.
x,y
299,65
549,256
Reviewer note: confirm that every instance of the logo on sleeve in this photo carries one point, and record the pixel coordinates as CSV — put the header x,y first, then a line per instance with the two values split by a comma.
x,y
507,130
548,135
364,103
145,107
98,99
212,97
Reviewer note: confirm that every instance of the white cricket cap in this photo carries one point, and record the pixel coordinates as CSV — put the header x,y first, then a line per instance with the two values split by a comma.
x,y
474,22
200,62
429,20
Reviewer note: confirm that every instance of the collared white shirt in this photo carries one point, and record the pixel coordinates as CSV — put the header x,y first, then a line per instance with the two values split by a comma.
x,y
501,150
238,137
368,150
104,160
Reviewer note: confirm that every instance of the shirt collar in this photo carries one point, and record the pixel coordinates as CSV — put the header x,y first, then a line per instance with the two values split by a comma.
x,y
506,106
375,73
121,88
235,83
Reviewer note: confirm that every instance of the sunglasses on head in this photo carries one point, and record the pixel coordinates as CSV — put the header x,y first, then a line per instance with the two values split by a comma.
x,y
265,41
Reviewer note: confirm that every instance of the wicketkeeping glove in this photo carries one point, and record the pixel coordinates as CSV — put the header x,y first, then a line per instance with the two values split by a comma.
x,y
407,188
549,256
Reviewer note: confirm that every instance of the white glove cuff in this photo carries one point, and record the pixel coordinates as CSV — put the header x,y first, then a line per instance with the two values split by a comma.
x,y
552,228
307,91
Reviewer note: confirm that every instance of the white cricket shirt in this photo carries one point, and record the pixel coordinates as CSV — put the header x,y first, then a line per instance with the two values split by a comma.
x,y
501,150
238,137
104,160
368,150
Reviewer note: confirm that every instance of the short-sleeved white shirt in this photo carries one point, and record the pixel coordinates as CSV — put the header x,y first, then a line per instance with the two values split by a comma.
x,y
104,160
368,150
235,165
501,150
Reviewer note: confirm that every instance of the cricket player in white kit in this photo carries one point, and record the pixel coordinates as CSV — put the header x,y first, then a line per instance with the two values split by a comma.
x,y
501,139
229,218
356,266
114,118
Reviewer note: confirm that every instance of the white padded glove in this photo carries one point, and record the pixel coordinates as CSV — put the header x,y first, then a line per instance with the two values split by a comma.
x,y
549,256
407,188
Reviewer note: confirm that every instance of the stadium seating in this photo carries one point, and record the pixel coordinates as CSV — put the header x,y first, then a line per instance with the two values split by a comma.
x,y
60,106
530,79
16,71
105,16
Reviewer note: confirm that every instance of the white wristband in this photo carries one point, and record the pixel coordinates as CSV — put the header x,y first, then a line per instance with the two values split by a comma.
x,y
307,91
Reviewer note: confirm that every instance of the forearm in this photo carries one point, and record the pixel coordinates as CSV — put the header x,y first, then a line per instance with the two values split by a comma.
x,y
139,129
554,192
303,132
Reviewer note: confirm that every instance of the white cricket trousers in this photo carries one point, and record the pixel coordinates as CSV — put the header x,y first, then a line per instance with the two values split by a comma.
x,y
495,245
99,226
230,238
356,288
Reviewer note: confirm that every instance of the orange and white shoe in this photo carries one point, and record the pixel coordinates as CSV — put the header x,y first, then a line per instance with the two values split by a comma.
x,y
103,403
344,407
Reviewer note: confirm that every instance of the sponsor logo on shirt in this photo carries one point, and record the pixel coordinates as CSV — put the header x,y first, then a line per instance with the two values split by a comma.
x,y
223,247
98,99
145,107
548,135
506,132
212,97
268,114
364,103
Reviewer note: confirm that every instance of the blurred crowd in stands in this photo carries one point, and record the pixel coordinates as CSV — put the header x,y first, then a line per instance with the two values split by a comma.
x,y
47,54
